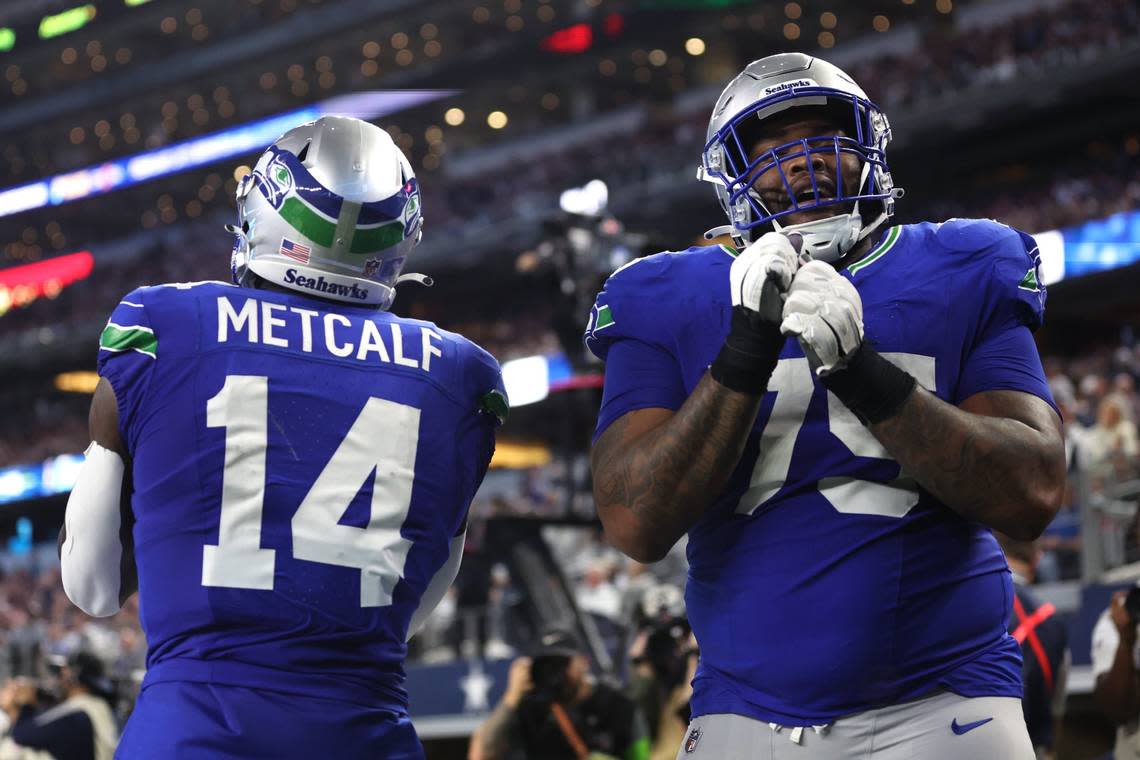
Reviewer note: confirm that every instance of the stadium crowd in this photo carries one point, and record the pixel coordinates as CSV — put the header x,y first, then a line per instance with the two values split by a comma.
x,y
947,57
955,58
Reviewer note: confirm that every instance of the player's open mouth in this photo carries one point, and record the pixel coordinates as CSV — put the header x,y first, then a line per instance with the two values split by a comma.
x,y
809,195
783,202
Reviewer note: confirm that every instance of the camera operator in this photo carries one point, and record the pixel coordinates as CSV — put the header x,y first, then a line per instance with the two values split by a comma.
x,y
553,710
664,660
81,727
1116,668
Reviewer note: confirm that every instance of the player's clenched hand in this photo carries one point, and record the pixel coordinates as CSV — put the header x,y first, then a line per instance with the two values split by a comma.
x,y
761,275
824,312
759,279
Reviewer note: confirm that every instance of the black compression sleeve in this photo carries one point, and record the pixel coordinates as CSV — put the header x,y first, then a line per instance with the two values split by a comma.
x,y
749,354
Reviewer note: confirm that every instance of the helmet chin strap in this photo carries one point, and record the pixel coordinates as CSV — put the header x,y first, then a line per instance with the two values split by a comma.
x,y
832,238
828,239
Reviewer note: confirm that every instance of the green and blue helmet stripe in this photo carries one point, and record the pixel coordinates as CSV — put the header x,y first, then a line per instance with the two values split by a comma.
x,y
313,210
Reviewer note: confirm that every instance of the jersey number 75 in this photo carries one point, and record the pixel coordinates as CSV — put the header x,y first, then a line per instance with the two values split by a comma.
x,y
792,383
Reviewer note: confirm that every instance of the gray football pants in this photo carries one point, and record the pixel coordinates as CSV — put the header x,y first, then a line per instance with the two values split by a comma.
x,y
942,727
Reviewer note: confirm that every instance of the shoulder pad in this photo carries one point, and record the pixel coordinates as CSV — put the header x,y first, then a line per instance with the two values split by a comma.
x,y
1008,261
972,235
643,299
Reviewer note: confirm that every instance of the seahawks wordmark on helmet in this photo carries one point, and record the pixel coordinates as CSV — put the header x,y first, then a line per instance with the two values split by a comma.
x,y
771,86
331,209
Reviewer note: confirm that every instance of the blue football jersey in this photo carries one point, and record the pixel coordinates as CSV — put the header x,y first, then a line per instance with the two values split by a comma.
x,y
299,470
823,581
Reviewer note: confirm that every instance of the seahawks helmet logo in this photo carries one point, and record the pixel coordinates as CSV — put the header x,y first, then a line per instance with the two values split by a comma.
x,y
411,208
276,182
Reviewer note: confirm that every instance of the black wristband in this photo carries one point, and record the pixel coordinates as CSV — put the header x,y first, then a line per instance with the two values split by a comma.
x,y
870,386
749,354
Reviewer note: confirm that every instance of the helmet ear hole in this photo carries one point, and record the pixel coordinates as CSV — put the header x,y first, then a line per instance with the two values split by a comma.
x,y
304,152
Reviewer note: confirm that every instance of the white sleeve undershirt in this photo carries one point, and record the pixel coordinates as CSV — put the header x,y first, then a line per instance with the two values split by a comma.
x,y
92,552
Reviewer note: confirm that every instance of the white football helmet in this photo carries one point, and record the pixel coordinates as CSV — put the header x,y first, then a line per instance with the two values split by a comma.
x,y
331,209
770,86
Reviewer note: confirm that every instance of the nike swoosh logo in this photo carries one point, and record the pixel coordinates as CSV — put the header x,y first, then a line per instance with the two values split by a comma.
x,y
959,730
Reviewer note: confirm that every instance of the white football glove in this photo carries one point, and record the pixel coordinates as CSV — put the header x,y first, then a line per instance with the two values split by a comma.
x,y
823,310
761,275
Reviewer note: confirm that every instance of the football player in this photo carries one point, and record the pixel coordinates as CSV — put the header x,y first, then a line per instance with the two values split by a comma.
x,y
837,487
296,464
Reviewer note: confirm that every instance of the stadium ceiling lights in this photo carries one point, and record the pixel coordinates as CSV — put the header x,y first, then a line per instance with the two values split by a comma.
x,y
208,149
66,21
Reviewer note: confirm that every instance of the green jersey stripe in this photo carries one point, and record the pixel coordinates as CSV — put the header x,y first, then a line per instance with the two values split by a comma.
x,y
884,247
1029,281
129,338
605,317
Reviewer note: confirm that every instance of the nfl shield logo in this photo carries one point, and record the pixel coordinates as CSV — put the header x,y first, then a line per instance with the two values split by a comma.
x,y
691,742
371,267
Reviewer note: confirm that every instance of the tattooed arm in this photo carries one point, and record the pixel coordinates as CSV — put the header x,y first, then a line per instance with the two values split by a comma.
x,y
656,471
998,459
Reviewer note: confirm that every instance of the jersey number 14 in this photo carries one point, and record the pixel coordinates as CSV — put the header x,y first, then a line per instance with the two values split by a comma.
x,y
378,550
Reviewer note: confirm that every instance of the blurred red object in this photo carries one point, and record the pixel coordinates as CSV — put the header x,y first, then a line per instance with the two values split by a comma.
x,y
21,285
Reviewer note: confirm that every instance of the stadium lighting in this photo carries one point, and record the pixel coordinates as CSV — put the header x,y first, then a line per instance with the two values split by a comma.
x,y
56,475
519,456
613,25
7,39
526,380
695,46
199,151
80,381
588,200
496,120
454,116
1051,247
569,41
133,3
66,21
